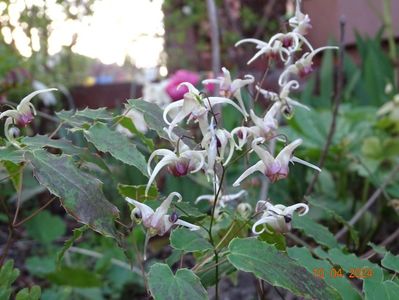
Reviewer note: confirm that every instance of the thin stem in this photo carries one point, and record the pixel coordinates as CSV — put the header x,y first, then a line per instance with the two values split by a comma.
x,y
336,105
19,193
369,203
57,129
35,212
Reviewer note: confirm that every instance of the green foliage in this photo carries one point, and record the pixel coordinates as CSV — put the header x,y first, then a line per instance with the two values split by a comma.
x,y
8,274
312,229
183,285
46,227
119,146
341,284
77,234
273,266
137,192
80,194
189,241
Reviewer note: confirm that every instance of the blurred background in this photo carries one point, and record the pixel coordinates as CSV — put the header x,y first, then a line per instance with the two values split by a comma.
x,y
84,45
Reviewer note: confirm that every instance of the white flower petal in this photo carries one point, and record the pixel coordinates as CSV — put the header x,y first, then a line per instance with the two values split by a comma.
x,y
258,167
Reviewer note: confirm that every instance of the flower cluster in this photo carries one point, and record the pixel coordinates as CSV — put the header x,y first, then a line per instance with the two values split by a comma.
x,y
213,151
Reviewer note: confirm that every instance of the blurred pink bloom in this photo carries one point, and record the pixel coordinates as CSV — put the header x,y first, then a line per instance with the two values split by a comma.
x,y
177,78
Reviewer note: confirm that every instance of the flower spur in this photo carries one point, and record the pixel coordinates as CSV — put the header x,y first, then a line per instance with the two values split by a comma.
x,y
274,168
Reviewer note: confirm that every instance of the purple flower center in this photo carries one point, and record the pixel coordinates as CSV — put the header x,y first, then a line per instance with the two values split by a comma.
x,y
180,168
24,119
276,172
287,42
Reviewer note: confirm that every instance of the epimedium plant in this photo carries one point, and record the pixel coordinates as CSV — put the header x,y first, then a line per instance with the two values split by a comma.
x,y
229,232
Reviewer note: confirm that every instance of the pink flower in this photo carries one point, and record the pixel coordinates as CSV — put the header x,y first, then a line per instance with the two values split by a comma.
x,y
176,79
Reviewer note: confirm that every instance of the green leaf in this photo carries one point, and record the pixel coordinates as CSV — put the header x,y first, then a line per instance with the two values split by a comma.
x,y
352,232
137,192
372,286
189,241
11,154
129,125
341,284
41,141
390,261
40,266
81,117
275,267
274,238
7,276
118,145
184,285
29,294
75,277
80,194
44,141
45,227
153,116
77,234
314,230
15,172
392,289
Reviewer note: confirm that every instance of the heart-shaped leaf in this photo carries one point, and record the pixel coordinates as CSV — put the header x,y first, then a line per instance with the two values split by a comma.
x,y
166,286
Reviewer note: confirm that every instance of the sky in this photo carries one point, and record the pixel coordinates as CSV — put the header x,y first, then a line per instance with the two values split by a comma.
x,y
116,29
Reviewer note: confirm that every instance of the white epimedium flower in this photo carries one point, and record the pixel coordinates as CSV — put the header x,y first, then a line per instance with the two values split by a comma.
x,y
274,168
233,88
283,97
222,199
219,145
264,127
22,115
278,216
280,46
303,66
271,51
300,22
180,162
25,111
195,106
158,222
